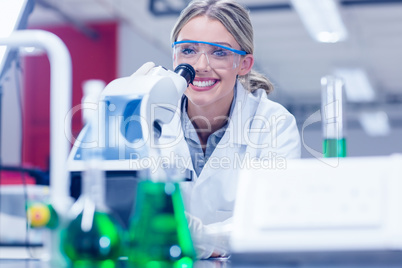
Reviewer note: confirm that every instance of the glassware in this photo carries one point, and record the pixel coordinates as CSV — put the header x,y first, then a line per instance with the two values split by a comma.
x,y
158,233
332,109
93,237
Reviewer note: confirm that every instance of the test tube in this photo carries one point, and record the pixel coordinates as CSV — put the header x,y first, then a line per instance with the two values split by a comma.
x,y
333,115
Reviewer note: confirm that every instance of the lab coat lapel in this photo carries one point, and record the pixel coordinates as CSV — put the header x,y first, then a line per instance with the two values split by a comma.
x,y
241,118
173,144
234,141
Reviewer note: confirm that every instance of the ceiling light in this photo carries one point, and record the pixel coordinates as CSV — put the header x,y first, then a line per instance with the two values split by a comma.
x,y
375,123
357,85
322,19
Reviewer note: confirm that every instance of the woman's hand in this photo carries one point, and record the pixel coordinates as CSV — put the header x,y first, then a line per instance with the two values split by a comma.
x,y
144,69
209,240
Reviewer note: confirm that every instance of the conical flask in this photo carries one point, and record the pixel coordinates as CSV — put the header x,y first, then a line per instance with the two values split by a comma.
x,y
93,236
158,232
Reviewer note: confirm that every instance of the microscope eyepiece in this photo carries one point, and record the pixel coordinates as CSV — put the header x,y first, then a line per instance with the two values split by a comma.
x,y
187,71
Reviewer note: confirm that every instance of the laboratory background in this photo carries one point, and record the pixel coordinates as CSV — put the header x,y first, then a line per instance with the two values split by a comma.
x,y
108,39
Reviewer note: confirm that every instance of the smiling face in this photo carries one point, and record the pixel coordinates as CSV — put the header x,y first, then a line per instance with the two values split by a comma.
x,y
212,88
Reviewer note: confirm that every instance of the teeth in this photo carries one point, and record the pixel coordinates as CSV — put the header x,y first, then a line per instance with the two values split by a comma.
x,y
203,83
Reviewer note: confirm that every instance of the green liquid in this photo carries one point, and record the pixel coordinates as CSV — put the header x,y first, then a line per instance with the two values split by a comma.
x,y
98,247
54,218
334,147
159,234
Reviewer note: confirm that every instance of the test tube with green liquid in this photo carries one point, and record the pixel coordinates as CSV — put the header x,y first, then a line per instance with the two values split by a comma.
x,y
332,111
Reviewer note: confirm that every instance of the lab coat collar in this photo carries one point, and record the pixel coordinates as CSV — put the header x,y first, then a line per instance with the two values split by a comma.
x,y
174,128
242,117
236,134
239,123
172,141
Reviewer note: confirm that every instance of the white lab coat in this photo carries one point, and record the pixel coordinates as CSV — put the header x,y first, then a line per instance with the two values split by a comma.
x,y
258,128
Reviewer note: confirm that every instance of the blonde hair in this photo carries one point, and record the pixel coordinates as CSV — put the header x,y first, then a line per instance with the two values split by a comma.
x,y
237,21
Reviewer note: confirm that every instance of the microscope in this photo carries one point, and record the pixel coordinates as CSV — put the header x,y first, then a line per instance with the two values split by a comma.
x,y
125,124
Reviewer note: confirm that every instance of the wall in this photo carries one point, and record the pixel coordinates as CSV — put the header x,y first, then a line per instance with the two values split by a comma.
x,y
10,97
135,50
118,52
91,59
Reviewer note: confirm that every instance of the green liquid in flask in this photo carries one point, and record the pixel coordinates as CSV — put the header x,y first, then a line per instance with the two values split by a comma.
x,y
98,247
159,234
334,147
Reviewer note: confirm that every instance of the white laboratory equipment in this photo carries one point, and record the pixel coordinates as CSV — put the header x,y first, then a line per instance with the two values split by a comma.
x,y
131,112
310,212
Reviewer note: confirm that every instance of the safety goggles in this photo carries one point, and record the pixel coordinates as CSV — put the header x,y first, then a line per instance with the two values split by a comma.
x,y
218,56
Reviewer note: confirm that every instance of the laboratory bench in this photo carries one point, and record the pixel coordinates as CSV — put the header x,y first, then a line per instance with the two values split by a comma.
x,y
33,263
211,263
23,257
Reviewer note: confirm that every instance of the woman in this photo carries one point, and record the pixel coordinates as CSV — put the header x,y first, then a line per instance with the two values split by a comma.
x,y
226,118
